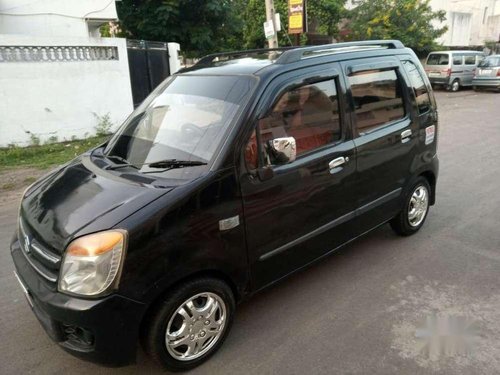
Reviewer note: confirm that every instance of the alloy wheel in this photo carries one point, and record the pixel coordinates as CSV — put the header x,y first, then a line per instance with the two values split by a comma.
x,y
196,326
418,206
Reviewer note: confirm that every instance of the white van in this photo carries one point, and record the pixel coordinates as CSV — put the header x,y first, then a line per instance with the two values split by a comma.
x,y
452,69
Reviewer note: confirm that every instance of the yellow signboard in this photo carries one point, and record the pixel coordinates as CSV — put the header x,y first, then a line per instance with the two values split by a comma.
x,y
296,16
295,21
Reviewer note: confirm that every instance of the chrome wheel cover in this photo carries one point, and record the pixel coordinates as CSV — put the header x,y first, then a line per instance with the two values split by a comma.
x,y
455,86
418,206
196,326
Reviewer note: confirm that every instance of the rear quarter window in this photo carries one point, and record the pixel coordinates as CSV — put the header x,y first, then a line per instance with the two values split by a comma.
x,y
419,87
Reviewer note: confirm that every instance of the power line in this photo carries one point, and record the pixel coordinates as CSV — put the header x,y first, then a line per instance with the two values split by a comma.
x,y
20,6
56,14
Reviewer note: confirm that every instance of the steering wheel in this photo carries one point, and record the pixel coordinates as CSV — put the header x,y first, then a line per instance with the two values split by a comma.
x,y
191,130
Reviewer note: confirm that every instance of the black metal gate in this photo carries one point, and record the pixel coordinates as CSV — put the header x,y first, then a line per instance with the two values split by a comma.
x,y
149,65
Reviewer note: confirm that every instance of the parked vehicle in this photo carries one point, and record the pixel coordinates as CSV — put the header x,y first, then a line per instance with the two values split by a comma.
x,y
452,69
488,74
231,175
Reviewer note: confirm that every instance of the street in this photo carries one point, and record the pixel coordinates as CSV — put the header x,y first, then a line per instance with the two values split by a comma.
x,y
357,311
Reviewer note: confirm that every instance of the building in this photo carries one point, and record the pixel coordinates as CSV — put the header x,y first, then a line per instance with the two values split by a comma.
x,y
57,75
470,22
55,18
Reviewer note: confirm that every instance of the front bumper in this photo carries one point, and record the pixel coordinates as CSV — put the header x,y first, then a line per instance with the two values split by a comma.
x,y
104,330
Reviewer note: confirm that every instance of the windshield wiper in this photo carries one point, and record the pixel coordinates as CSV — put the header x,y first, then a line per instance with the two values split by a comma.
x,y
174,163
124,164
166,164
169,164
119,158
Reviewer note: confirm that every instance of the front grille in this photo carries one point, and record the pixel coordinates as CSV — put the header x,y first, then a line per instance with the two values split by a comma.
x,y
43,260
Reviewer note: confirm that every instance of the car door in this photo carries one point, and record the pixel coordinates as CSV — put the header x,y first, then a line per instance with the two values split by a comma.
x,y
457,68
384,134
469,69
299,210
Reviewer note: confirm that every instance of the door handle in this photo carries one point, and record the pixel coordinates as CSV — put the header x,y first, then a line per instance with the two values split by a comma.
x,y
405,136
335,163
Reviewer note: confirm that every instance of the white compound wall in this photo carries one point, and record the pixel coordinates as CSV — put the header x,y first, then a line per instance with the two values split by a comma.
x,y
41,94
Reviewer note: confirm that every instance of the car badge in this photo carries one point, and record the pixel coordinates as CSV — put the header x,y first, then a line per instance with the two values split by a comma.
x,y
27,244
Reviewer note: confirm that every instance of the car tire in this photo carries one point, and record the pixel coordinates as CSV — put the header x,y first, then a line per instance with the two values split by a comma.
x,y
197,331
415,209
454,86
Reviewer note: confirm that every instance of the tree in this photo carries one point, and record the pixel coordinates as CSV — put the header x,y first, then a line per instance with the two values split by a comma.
x,y
325,13
199,26
411,21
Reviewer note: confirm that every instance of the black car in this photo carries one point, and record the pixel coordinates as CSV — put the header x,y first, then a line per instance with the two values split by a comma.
x,y
231,175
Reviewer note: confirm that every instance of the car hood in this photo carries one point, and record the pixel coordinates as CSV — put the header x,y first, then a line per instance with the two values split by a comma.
x,y
81,198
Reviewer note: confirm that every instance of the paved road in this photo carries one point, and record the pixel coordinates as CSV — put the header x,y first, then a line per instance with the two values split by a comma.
x,y
357,311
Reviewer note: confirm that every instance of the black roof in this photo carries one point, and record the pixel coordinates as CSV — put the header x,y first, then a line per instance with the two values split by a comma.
x,y
255,61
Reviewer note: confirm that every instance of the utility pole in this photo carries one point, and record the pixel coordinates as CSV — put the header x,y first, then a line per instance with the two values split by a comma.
x,y
273,42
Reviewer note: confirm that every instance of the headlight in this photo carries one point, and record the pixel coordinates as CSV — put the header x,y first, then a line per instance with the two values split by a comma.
x,y
92,263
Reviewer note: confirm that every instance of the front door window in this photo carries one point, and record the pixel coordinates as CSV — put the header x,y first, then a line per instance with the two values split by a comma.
x,y
309,114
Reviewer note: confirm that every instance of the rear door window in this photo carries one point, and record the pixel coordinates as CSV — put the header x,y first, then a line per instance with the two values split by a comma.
x,y
438,59
377,97
419,87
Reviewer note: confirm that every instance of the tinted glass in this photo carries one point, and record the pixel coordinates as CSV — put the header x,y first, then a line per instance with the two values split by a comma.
x,y
377,99
185,120
438,59
308,113
418,85
470,60
457,59
490,62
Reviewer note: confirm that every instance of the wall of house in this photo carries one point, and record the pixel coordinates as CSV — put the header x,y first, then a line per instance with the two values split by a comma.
x,y
68,18
57,75
49,91
470,22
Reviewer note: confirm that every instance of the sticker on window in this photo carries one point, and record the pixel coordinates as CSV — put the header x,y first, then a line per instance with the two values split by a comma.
x,y
429,134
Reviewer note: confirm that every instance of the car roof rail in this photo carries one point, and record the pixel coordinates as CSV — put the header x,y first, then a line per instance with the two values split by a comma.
x,y
300,53
296,53
206,60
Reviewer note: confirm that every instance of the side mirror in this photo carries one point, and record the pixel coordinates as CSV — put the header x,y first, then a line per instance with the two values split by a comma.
x,y
283,150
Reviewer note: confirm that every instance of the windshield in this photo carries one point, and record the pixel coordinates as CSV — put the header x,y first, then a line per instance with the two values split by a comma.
x,y
490,62
185,119
438,59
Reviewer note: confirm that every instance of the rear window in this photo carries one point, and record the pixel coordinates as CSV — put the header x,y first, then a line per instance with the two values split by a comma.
x,y
490,62
438,59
